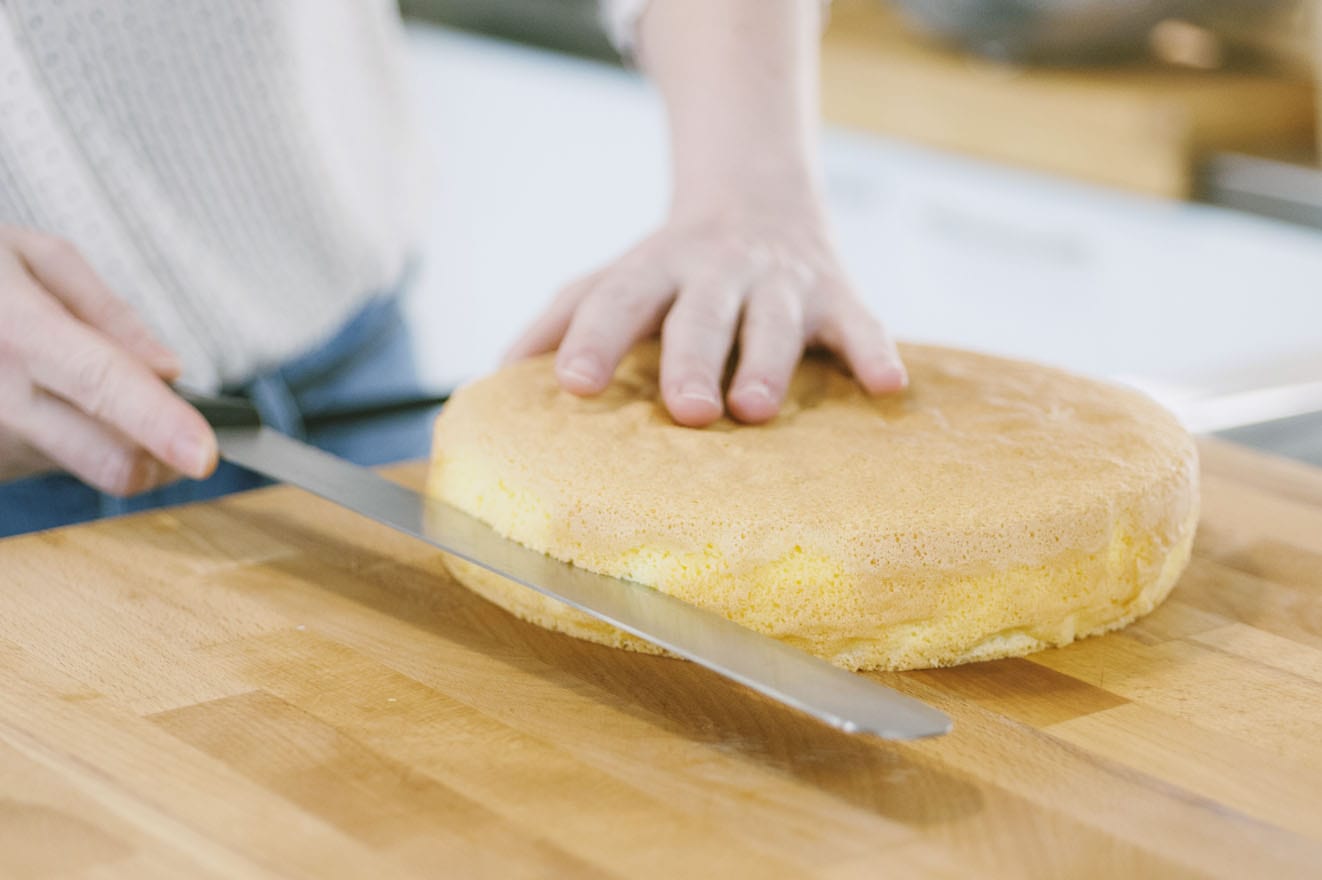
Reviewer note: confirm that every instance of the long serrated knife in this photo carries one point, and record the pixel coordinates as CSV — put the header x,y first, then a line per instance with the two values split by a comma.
x,y
852,703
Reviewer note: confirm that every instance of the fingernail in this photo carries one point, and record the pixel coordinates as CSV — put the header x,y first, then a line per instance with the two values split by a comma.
x,y
161,357
891,377
150,474
167,361
755,392
698,392
194,454
583,370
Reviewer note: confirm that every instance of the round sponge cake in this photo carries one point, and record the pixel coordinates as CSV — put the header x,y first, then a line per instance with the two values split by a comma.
x,y
994,509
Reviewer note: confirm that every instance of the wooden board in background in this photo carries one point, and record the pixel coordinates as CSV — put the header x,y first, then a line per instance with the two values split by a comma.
x,y
269,686
1141,127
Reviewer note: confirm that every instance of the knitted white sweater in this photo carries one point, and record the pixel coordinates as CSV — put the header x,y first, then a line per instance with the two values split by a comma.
x,y
246,173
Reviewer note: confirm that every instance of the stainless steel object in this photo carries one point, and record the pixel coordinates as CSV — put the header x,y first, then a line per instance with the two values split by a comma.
x,y
1289,190
852,703
1053,31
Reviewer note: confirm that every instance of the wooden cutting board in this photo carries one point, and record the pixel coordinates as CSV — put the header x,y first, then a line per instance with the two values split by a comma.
x,y
269,686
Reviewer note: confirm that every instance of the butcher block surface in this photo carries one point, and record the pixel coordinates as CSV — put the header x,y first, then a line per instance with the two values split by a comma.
x,y
269,686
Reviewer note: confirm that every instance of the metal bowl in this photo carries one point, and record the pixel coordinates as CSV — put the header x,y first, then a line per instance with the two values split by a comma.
x,y
1049,31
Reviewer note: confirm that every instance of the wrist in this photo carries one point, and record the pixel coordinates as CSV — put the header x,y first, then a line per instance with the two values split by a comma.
x,y
760,184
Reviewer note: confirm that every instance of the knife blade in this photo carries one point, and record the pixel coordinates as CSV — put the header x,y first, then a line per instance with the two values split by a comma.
x,y
844,700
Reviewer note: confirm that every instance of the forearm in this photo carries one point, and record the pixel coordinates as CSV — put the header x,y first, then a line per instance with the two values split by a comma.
x,y
745,254
739,80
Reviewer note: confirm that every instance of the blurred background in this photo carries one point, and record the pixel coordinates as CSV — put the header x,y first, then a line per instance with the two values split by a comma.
x,y
1128,189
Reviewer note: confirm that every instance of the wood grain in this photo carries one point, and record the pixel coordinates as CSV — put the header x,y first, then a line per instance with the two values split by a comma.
x,y
269,686
1139,127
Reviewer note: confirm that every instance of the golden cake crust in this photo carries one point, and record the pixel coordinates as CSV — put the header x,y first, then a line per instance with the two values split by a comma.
x,y
996,508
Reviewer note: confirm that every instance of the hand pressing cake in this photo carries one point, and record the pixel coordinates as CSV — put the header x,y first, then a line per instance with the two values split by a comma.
x,y
994,509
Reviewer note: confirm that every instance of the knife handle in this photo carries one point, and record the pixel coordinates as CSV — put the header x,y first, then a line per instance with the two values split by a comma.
x,y
221,411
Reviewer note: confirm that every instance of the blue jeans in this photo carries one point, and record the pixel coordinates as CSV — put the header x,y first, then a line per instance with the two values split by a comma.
x,y
313,397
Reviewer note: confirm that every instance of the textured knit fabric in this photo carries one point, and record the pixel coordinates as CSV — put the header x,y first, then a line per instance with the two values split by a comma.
x,y
246,173
620,19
